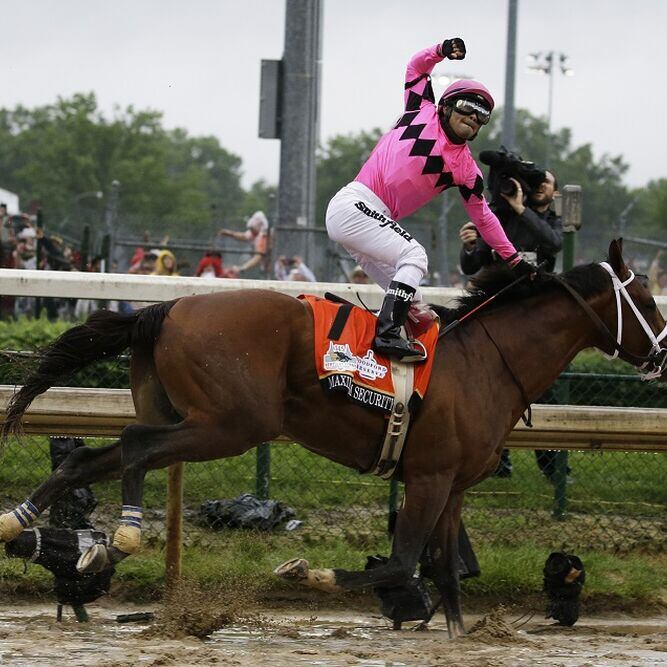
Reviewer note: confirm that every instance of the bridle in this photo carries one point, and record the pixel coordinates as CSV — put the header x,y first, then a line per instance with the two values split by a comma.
x,y
655,362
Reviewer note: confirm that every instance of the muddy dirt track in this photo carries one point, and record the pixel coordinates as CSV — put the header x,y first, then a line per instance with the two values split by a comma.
x,y
29,635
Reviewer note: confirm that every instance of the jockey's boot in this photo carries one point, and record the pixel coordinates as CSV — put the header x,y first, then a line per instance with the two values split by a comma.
x,y
391,318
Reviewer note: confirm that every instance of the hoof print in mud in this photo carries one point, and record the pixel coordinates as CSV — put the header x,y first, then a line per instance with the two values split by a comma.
x,y
295,569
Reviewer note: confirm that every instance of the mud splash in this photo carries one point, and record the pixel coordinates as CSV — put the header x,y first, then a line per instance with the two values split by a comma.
x,y
29,636
191,610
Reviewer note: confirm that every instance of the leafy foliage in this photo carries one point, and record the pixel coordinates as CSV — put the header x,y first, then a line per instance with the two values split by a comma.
x,y
30,335
648,217
170,181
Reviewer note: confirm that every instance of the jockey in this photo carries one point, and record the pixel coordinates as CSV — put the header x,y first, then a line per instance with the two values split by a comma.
x,y
424,154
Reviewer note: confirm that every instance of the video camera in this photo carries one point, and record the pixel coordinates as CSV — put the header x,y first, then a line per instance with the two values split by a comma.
x,y
505,165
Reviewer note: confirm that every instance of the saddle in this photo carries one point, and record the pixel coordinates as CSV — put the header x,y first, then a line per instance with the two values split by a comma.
x,y
346,362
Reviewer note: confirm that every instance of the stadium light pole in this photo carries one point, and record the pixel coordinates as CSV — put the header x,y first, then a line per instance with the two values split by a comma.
x,y
547,62
508,135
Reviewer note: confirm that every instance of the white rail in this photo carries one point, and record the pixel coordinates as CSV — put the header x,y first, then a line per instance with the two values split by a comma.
x,y
104,412
120,286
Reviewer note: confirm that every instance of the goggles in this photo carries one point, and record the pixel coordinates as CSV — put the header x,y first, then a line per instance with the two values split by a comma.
x,y
469,107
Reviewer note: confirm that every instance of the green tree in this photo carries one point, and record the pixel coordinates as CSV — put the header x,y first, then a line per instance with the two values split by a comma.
x,y
648,217
170,182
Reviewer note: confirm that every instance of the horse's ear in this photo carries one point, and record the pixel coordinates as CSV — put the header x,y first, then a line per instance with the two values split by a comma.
x,y
616,259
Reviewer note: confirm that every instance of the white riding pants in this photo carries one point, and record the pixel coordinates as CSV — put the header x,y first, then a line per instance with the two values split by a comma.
x,y
358,220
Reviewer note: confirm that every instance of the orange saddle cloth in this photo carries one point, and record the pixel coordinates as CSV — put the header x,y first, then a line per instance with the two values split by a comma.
x,y
345,361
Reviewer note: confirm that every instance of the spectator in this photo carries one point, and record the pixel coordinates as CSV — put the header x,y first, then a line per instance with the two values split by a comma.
x,y
536,232
147,263
7,258
657,274
257,233
210,266
138,255
293,268
530,224
55,255
165,264
137,258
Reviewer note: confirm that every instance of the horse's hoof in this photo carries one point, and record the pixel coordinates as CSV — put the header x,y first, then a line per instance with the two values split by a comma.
x,y
94,560
295,569
299,570
98,558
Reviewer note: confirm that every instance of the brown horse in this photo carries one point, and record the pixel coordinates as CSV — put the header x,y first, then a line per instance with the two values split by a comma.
x,y
213,376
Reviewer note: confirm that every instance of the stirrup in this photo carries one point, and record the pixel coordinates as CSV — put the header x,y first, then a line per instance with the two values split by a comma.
x,y
407,354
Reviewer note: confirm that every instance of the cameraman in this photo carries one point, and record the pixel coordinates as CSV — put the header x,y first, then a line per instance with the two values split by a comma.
x,y
537,233
529,222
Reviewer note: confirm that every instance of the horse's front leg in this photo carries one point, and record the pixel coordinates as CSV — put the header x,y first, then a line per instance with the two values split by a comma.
x,y
424,501
443,567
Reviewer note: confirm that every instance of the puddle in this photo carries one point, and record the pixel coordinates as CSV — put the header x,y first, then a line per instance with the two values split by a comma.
x,y
30,636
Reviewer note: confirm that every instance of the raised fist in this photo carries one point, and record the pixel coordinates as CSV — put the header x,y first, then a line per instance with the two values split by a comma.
x,y
454,49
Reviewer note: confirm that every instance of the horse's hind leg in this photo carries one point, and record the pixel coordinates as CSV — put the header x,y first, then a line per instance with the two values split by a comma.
x,y
443,568
84,465
147,448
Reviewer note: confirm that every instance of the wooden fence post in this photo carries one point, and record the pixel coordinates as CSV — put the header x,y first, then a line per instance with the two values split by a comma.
x,y
174,525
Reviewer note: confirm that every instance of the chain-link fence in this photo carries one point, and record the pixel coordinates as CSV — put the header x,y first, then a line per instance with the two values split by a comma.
x,y
615,500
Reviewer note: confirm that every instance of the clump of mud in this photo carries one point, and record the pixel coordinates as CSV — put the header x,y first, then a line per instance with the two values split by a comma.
x,y
191,610
493,629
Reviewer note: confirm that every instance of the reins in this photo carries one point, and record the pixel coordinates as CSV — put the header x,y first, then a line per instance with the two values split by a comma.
x,y
528,415
455,323
658,355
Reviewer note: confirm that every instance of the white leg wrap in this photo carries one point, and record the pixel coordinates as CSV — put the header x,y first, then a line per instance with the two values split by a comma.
x,y
10,527
324,580
127,539
13,523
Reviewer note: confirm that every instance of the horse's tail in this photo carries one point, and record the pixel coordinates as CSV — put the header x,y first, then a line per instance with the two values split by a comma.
x,y
104,335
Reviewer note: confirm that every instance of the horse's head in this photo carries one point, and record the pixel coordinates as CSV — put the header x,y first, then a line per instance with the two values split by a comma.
x,y
641,332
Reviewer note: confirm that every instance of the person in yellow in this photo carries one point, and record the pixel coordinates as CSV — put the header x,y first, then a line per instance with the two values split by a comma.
x,y
165,264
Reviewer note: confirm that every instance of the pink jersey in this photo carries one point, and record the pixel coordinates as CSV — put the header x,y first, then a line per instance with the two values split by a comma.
x,y
415,161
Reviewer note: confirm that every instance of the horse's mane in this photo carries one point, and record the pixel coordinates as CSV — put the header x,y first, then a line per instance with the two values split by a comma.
x,y
588,280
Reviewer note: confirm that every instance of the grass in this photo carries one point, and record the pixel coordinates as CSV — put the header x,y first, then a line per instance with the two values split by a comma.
x,y
244,562
615,522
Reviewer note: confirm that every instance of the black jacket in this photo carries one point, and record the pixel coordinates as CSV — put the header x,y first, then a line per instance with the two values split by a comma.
x,y
531,231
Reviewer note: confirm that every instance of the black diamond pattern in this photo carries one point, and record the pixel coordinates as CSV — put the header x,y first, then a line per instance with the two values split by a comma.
x,y
477,189
414,101
446,180
407,118
422,147
413,131
434,165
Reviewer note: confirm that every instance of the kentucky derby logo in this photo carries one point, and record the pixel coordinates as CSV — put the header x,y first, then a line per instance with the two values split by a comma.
x,y
368,368
339,358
